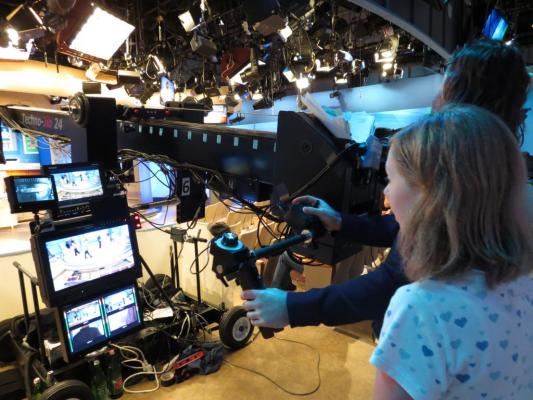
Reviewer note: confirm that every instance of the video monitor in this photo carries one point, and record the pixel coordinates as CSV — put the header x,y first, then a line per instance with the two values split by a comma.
x,y
76,183
80,261
166,91
94,322
30,193
495,26
219,115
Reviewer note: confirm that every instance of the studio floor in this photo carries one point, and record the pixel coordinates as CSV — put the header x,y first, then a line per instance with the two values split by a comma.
x,y
344,371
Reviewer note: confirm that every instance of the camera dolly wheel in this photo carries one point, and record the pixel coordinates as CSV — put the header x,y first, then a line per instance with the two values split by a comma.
x,y
235,328
68,390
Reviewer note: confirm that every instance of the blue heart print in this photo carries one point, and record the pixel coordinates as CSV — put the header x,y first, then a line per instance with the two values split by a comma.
x,y
461,322
462,377
427,351
504,344
482,345
493,317
455,343
515,357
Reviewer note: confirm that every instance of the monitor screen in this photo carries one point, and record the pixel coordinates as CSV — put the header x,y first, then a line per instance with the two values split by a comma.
x,y
98,320
495,26
78,259
33,189
167,90
82,261
30,193
219,115
76,183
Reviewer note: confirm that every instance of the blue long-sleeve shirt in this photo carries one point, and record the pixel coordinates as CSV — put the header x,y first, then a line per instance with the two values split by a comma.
x,y
363,298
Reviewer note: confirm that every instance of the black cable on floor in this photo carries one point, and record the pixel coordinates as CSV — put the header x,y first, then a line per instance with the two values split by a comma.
x,y
277,384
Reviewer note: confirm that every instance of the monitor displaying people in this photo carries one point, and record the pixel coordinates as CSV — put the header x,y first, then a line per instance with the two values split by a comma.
x,y
75,185
78,259
98,320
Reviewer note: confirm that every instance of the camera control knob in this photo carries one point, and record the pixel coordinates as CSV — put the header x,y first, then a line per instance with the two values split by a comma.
x,y
230,239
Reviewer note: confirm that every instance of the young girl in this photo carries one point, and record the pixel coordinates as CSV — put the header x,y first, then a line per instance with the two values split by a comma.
x,y
464,328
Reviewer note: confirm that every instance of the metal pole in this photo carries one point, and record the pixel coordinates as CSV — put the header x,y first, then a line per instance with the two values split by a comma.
x,y
197,264
24,301
38,320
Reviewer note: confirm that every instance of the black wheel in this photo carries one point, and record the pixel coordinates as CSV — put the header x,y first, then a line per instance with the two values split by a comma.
x,y
235,328
68,390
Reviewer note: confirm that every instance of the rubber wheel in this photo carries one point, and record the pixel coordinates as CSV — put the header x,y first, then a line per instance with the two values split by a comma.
x,y
235,328
68,390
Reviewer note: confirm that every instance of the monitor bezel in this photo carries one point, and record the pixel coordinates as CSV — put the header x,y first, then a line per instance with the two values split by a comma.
x,y
69,356
74,167
52,297
33,206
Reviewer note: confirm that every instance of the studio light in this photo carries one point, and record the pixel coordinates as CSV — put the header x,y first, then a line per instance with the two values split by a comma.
x,y
324,65
302,82
387,50
92,33
341,78
287,73
285,33
257,95
237,119
249,73
263,104
191,18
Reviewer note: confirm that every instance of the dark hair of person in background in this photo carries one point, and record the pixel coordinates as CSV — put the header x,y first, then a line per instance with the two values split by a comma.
x,y
491,75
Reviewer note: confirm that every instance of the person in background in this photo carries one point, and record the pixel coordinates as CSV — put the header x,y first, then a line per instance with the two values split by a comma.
x,y
486,73
463,328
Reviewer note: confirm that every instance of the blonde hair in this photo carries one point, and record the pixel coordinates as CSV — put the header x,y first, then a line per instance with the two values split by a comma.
x,y
467,165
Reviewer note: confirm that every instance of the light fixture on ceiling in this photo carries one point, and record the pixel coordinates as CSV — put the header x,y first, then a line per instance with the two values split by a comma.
x,y
263,103
285,33
324,64
192,18
250,72
237,119
302,82
341,78
386,52
92,33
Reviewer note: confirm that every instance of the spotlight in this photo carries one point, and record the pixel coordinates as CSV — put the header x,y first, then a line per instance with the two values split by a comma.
x,y
302,82
250,72
92,34
191,18
263,16
285,33
203,45
341,78
387,50
257,95
263,104
237,119
324,64
207,103
287,73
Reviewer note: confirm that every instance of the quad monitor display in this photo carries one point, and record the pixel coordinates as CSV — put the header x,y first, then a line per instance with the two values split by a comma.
x,y
96,321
